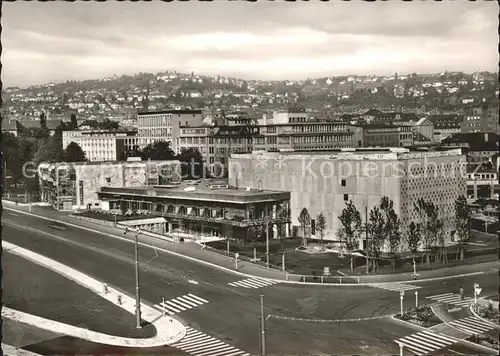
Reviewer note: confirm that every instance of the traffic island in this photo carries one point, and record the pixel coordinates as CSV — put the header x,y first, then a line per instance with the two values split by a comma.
x,y
36,290
484,340
487,310
422,316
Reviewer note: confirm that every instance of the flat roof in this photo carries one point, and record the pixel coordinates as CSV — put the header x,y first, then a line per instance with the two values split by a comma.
x,y
201,192
169,112
355,154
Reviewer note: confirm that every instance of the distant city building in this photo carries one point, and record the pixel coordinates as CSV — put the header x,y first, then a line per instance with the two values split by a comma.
x,y
384,135
35,124
68,186
103,145
10,126
481,119
154,126
324,182
217,143
445,125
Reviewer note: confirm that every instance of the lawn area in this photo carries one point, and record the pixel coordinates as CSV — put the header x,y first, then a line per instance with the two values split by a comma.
x,y
296,262
407,265
34,289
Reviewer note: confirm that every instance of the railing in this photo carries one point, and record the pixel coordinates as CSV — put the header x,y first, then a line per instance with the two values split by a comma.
x,y
321,279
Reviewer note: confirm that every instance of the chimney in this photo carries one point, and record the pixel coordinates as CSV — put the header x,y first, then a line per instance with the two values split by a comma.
x,y
485,137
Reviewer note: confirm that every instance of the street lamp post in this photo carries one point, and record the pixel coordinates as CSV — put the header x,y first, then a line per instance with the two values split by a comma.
x,y
137,289
401,296
267,244
366,236
262,326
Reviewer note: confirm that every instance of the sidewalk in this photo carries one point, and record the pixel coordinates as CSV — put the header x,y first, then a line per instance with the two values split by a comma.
x,y
15,351
168,330
195,252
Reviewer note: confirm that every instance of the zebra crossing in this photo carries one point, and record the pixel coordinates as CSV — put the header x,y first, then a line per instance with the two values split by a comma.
x,y
395,287
180,304
471,325
451,298
253,283
197,343
424,342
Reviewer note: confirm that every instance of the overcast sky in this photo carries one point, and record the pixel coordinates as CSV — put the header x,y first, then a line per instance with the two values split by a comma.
x,y
59,41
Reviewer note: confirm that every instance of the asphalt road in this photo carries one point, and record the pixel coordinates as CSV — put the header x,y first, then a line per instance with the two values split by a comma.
x,y
231,313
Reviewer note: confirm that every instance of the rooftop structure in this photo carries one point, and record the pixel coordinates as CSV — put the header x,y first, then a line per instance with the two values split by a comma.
x,y
204,207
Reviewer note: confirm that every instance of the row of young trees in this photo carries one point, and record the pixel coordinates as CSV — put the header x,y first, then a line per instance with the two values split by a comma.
x,y
383,229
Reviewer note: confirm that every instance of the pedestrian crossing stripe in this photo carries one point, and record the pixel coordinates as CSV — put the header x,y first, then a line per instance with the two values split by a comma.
x,y
424,342
197,343
180,304
471,325
395,287
451,298
253,283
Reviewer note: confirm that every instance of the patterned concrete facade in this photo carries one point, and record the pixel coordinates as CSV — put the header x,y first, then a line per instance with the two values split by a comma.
x,y
324,182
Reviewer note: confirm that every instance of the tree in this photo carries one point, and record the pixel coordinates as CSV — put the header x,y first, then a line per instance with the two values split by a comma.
x,y
192,163
49,151
321,227
304,221
74,153
462,223
10,153
351,228
158,151
413,237
43,121
376,231
107,124
430,225
391,229
74,122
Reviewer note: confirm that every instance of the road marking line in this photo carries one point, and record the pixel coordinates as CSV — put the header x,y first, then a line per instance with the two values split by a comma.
x,y
196,297
439,295
185,302
427,340
440,336
192,300
174,307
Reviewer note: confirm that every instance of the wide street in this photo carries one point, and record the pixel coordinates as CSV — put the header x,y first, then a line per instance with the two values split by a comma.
x,y
231,313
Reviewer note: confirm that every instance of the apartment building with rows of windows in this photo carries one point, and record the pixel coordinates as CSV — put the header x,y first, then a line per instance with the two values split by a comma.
x,y
323,182
153,126
217,143
103,145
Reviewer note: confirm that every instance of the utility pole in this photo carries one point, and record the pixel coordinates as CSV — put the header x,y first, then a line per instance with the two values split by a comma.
x,y
267,244
262,326
366,236
137,290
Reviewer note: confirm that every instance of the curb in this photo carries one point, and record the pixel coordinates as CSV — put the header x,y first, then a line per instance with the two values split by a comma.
x,y
462,340
47,263
393,317
493,325
236,272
